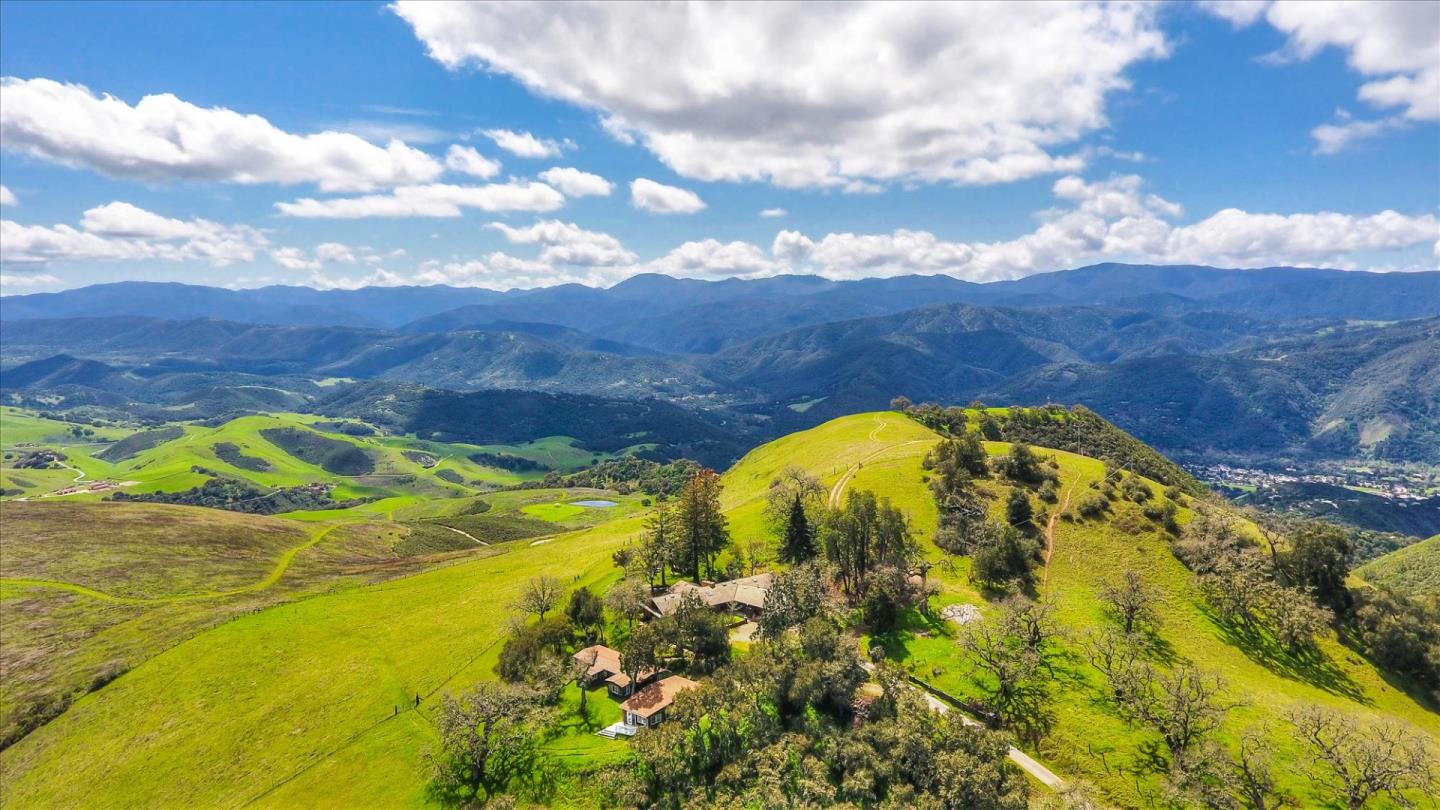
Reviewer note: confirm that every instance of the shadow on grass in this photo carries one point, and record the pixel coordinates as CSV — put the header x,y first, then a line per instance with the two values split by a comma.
x,y
1310,666
896,642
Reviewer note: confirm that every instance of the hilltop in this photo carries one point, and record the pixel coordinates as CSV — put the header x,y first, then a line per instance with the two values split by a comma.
x,y
339,672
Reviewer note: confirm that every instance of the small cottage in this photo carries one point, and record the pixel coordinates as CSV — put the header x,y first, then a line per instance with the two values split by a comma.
x,y
648,706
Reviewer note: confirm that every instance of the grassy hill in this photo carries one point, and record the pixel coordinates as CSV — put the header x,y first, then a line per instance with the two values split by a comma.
x,y
269,451
1414,569
313,701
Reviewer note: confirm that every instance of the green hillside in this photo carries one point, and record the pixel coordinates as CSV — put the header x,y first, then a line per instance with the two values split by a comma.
x,y
313,701
1414,569
268,451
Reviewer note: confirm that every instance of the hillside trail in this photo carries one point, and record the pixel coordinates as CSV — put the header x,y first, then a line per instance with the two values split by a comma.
x,y
281,565
1023,760
1050,536
839,489
477,540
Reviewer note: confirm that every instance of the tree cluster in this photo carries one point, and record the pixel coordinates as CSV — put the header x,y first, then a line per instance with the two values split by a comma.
x,y
787,726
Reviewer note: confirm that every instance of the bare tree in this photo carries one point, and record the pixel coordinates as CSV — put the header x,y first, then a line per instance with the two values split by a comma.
x,y
1133,603
627,599
580,674
1361,763
1251,773
1183,705
1239,587
997,649
540,595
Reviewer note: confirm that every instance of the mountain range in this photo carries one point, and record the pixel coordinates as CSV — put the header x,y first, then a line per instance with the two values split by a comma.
x,y
1201,362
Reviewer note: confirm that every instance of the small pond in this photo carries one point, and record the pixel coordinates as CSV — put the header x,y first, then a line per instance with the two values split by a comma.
x,y
595,504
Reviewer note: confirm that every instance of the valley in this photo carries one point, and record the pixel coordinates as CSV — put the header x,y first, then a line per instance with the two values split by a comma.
x,y
207,631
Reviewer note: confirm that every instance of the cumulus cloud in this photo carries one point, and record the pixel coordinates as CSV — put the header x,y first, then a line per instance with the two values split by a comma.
x,y
376,278
774,213
466,160
1114,219
1395,44
120,231
568,243
1333,138
659,198
162,137
955,92
575,183
501,271
7,197
293,258
434,200
522,144
710,257
24,282
334,253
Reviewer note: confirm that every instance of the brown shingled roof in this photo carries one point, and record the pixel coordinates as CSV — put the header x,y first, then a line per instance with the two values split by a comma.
x,y
657,696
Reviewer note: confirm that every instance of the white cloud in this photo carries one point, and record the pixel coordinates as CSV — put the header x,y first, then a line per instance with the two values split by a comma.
x,y
334,253
434,200
575,183
567,243
1239,13
1333,138
21,282
522,144
774,213
881,92
164,138
122,232
710,258
1395,44
377,278
7,197
293,258
1114,220
500,271
662,199
466,160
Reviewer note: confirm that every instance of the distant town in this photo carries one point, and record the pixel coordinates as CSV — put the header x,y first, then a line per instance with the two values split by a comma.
x,y
1394,481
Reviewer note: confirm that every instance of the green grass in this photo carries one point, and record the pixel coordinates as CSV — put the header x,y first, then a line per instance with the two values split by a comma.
x,y
87,588
1414,568
553,512
309,703
269,698
169,466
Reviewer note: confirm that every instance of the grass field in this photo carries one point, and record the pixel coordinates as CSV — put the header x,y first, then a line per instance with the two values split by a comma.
x,y
244,453
312,702
89,590
1414,568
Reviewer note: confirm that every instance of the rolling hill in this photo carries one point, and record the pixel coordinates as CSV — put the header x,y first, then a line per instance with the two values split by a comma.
x,y
324,711
1414,569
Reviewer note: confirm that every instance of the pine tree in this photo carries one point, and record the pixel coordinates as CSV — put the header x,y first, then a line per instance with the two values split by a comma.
x,y
700,532
799,545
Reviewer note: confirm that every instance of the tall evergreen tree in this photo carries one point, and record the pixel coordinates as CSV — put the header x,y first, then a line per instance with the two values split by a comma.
x,y
799,545
701,532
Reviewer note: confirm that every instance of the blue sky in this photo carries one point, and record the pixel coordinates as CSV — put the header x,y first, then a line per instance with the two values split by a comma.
x,y
307,143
